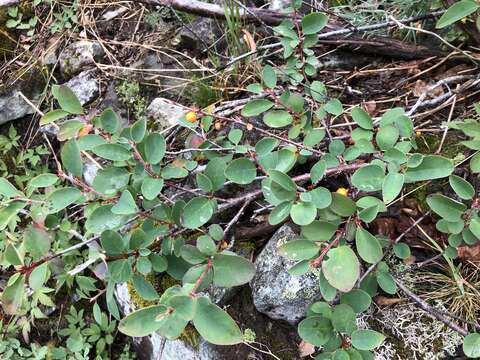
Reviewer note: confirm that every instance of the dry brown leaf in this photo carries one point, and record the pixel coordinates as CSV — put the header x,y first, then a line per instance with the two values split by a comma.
x,y
469,253
386,301
249,40
305,349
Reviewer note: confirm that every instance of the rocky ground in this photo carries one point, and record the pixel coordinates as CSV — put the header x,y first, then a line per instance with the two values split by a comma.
x,y
149,61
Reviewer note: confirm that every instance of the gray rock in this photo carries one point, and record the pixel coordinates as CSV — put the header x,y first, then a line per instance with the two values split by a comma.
x,y
200,35
275,292
12,106
280,5
78,56
85,86
165,112
155,346
90,170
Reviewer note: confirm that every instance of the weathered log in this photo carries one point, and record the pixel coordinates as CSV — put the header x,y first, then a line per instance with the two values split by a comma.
x,y
201,8
352,39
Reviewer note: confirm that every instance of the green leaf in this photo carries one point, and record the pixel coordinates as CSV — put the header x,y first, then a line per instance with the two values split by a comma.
x,y
109,121
387,137
320,197
471,345
343,319
277,118
215,171
369,178
401,250
357,299
241,171
369,214
315,330
303,213
37,242
447,208
42,180
475,163
298,250
456,12
53,116
342,268
8,190
154,148
314,137
103,219
151,187
282,179
269,77
367,339
9,212
255,88
231,270
342,205
184,306
392,186
256,107
328,291
362,118
12,296
431,167
71,159
235,136
69,129
318,171
67,99
313,23
216,232
474,227
334,107
138,129
114,152
318,91
319,230
206,245
142,322
12,256
204,182
265,146
215,325
61,198
280,213
461,187
125,205
368,246
197,212
144,288
386,282
112,243
111,179
38,276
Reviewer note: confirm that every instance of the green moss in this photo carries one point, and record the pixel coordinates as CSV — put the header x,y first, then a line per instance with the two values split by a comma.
x,y
202,93
190,335
129,93
429,143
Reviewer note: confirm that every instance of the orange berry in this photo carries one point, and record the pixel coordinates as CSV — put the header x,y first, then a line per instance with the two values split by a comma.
x,y
191,117
342,191
418,133
218,125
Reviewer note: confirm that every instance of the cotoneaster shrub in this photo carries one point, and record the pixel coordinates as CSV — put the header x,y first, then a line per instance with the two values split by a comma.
x,y
140,231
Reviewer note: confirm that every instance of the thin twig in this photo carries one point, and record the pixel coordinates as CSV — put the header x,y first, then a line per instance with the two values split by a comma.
x,y
400,237
430,310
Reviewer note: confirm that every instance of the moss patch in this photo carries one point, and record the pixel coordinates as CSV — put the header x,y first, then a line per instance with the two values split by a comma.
x,y
190,335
